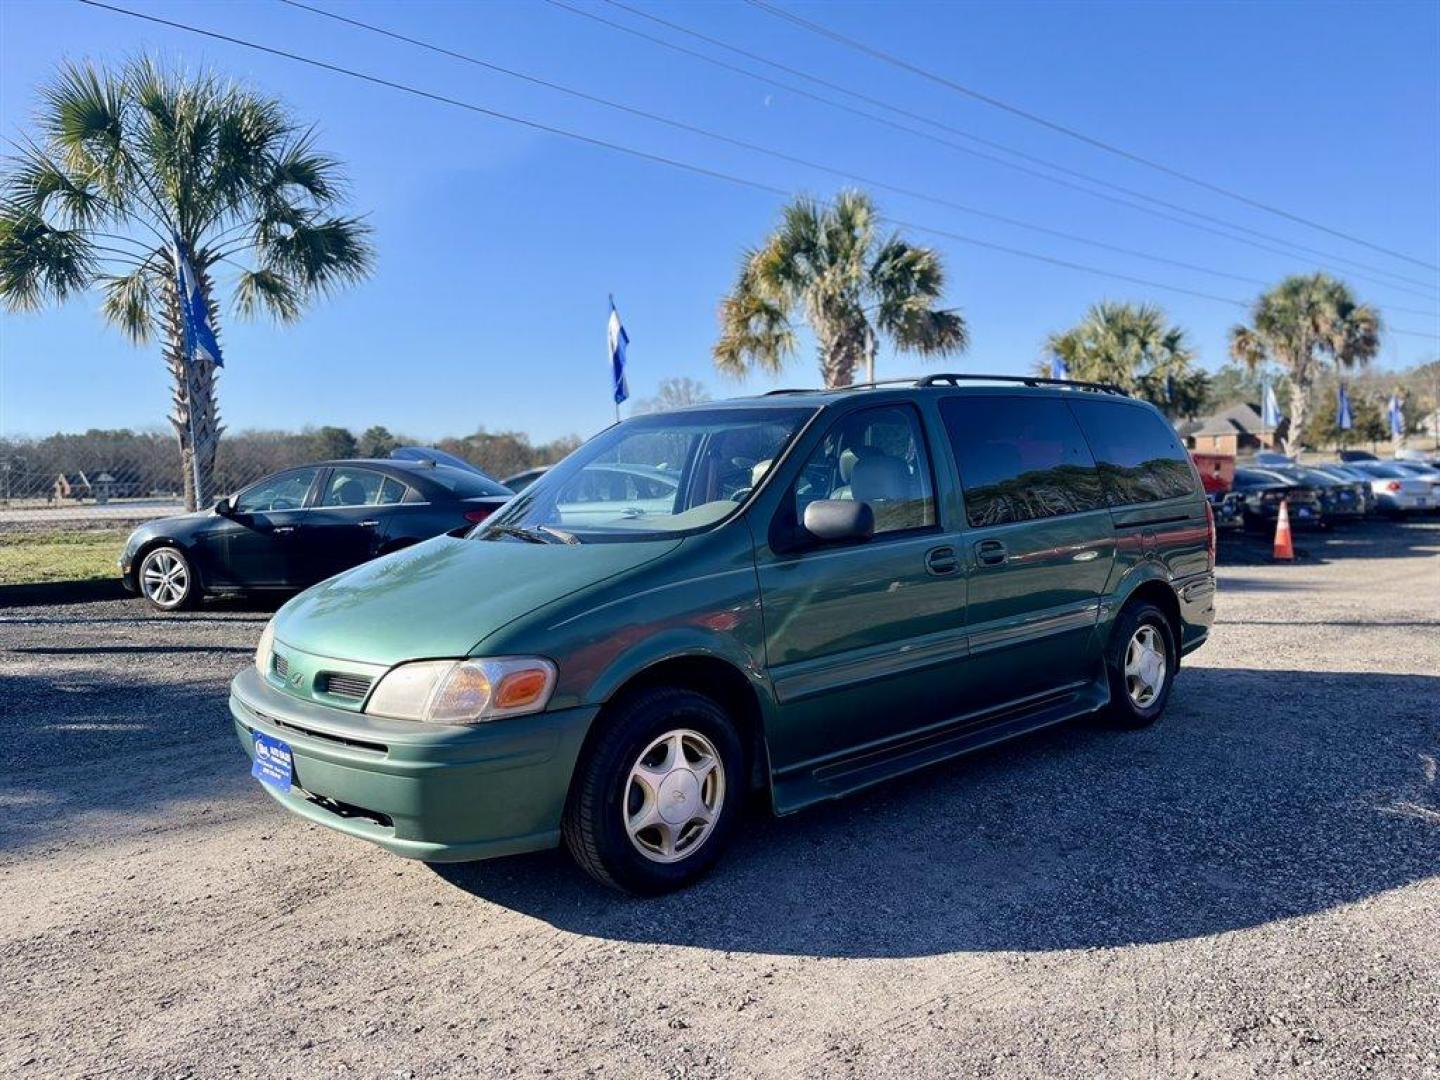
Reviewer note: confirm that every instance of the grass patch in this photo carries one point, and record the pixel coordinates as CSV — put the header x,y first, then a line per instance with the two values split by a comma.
x,y
28,558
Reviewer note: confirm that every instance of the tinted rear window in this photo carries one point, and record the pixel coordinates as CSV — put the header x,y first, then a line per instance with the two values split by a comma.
x,y
1019,458
1139,455
463,484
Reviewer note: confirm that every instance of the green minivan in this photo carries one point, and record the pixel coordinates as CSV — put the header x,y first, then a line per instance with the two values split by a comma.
x,y
797,595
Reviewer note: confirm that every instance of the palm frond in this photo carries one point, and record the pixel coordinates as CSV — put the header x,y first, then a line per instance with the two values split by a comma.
x,y
38,263
268,292
130,303
322,255
754,325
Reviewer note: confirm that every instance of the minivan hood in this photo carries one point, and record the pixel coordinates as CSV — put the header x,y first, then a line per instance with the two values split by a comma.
x,y
440,598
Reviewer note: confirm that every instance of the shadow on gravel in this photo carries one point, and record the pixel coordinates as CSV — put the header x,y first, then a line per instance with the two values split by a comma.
x,y
1262,795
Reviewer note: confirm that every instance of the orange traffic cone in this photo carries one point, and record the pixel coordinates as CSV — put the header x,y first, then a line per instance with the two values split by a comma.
x,y
1284,546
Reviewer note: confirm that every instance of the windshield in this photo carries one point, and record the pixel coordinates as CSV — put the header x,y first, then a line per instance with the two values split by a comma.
x,y
652,475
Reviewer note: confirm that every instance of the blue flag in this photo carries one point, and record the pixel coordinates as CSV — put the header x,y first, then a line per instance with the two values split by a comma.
x,y
1343,419
194,314
1396,414
618,340
1058,368
1270,411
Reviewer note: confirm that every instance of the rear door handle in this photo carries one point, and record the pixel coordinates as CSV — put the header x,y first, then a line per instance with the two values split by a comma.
x,y
370,524
941,561
990,552
281,530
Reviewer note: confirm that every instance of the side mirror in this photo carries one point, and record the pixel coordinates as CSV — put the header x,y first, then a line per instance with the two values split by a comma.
x,y
835,521
223,508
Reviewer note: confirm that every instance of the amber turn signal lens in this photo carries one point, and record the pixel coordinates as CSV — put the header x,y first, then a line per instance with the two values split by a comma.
x,y
521,688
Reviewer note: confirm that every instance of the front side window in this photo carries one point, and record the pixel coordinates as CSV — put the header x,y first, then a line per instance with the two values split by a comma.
x,y
353,487
1139,455
875,456
1019,458
286,491
659,474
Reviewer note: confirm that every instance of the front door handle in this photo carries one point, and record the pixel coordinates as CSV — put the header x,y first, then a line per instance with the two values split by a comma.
x,y
370,524
281,530
941,561
990,553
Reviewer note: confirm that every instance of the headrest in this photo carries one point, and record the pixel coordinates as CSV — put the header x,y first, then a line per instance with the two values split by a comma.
x,y
881,478
352,493
850,455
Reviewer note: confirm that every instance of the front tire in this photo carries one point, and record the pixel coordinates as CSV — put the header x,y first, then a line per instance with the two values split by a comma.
x,y
167,580
1141,663
657,795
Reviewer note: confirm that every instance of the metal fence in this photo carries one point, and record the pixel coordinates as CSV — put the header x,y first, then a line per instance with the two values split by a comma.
x,y
102,477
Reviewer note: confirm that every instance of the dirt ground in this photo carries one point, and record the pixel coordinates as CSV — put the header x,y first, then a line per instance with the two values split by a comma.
x,y
1249,889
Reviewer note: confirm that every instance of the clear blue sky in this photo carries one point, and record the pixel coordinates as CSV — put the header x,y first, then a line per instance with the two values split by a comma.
x,y
497,246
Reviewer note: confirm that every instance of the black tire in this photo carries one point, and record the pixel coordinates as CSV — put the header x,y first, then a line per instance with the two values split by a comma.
x,y
169,558
1124,710
594,822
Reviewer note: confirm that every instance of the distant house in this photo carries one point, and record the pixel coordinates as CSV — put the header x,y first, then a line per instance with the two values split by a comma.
x,y
74,485
1236,430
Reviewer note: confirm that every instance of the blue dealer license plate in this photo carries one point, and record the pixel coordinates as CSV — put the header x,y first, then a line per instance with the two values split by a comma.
x,y
272,762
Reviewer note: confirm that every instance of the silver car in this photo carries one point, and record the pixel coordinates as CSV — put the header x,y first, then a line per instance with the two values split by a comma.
x,y
1396,491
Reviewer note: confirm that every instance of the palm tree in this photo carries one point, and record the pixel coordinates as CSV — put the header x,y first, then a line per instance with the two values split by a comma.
x,y
134,170
1301,324
1135,347
829,261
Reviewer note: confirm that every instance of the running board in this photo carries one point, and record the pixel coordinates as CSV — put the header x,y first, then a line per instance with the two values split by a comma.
x,y
842,776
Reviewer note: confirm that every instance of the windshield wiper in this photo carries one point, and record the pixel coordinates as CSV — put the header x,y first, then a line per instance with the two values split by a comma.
x,y
530,536
541,534
560,534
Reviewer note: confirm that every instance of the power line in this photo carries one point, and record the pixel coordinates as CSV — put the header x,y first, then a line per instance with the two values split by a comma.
x,y
777,154
1035,118
1428,287
633,152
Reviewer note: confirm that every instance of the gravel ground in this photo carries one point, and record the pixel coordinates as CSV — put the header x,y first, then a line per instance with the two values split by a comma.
x,y
1250,888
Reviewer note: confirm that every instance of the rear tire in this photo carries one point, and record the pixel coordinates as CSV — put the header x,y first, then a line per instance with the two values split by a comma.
x,y
167,580
657,794
1141,663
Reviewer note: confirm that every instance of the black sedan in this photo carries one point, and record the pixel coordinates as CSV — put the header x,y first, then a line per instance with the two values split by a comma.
x,y
303,525
1260,494
1340,500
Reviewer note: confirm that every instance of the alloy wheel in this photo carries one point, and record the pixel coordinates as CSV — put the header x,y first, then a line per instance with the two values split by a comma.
x,y
164,578
673,796
1145,666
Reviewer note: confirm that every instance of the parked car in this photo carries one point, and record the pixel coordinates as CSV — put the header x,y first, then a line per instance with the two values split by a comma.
x,y
1340,500
1396,491
1349,456
521,480
841,587
1359,482
1272,457
1261,492
302,525
1423,470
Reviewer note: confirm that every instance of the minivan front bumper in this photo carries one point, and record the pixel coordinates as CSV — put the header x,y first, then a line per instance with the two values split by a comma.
x,y
439,793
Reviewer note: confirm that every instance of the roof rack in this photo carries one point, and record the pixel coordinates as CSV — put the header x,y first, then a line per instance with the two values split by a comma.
x,y
954,379
950,379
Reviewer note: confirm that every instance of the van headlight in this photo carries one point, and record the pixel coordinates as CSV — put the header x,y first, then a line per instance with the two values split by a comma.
x,y
266,649
463,691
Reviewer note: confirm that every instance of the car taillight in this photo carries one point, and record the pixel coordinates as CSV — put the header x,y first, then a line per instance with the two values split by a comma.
x,y
477,516
1212,542
1394,485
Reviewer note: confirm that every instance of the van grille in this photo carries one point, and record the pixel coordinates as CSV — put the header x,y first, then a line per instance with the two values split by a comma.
x,y
350,687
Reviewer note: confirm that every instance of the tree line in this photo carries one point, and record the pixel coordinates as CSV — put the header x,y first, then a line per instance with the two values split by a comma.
x,y
144,463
